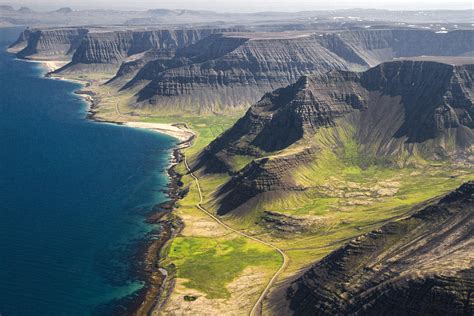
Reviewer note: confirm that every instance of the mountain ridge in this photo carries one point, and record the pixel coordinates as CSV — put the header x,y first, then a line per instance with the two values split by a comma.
x,y
376,110
422,264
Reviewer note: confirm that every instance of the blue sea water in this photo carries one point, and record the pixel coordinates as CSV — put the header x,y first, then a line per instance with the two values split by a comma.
x,y
74,195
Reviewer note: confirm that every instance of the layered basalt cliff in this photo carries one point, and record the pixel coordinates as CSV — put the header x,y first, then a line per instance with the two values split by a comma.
x,y
105,51
421,265
214,70
59,44
242,66
394,111
235,75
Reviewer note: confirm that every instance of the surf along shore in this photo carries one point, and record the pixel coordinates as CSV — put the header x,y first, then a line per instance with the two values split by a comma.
x,y
152,249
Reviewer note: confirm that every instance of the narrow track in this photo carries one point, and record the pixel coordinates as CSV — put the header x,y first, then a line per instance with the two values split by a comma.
x,y
255,308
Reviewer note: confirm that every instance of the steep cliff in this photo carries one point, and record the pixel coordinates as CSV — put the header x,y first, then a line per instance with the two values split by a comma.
x,y
57,44
242,66
393,112
106,50
421,265
375,46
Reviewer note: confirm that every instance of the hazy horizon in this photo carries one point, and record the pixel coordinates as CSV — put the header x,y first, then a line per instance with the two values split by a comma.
x,y
242,5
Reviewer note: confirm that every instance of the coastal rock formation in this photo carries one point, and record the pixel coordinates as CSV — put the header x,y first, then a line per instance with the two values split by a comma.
x,y
421,265
394,111
232,70
104,49
57,44
214,70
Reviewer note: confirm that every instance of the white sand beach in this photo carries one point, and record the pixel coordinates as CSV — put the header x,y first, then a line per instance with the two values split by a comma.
x,y
181,133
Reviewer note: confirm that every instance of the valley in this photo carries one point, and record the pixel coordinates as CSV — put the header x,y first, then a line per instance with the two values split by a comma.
x,y
303,140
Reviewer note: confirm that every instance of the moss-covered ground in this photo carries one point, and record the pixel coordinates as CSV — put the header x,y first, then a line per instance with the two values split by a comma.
x,y
209,264
349,193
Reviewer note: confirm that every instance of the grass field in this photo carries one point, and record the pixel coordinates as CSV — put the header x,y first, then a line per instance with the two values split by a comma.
x,y
209,264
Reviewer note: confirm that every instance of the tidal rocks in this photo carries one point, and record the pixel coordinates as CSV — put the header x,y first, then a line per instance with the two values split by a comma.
x,y
421,265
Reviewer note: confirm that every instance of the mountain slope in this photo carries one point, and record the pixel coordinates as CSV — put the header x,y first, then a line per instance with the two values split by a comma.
x,y
246,65
421,265
399,113
59,43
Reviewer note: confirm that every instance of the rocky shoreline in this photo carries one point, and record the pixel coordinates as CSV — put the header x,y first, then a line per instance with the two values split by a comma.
x,y
149,250
159,279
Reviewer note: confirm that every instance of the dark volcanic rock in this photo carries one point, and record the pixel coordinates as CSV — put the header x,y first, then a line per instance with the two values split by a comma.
x,y
434,98
422,265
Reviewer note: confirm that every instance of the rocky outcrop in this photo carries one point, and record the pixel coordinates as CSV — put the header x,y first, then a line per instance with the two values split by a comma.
x,y
421,265
57,44
375,46
281,223
394,111
260,176
242,66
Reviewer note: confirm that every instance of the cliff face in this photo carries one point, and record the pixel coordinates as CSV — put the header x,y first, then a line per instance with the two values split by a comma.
x,y
435,96
48,43
99,49
397,109
242,66
235,74
422,265
107,50
376,46
432,98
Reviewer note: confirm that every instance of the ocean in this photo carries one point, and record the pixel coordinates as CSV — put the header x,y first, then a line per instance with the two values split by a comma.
x,y
74,196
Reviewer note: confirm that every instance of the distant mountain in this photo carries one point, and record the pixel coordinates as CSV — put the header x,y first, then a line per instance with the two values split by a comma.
x,y
25,10
64,10
229,71
6,8
421,265
283,20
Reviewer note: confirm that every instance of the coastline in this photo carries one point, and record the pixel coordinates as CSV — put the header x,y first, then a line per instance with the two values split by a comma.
x,y
149,252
